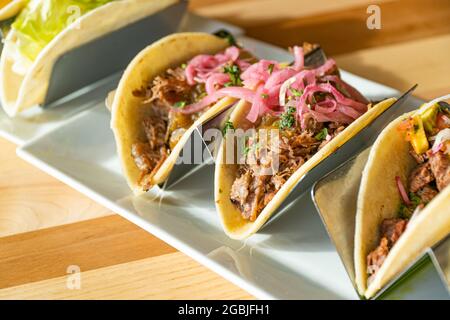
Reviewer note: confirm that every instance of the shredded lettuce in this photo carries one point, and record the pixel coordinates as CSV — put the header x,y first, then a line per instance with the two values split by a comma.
x,y
42,20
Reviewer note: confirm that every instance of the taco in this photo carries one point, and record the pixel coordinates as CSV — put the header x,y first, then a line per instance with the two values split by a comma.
x,y
404,199
170,88
310,112
43,30
10,8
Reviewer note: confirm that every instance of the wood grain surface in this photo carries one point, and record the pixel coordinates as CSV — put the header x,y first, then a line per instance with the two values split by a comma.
x,y
46,227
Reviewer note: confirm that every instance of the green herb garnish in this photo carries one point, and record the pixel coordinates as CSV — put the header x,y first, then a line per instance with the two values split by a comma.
x,y
264,95
183,66
180,104
322,134
415,199
228,126
270,68
295,92
404,212
287,119
235,75
224,34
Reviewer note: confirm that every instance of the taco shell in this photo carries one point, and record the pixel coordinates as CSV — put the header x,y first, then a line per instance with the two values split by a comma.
x,y
237,227
11,9
379,199
127,115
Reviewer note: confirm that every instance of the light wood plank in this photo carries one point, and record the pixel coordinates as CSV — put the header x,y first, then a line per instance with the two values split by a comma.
x,y
402,65
339,26
92,244
118,259
170,276
32,200
249,13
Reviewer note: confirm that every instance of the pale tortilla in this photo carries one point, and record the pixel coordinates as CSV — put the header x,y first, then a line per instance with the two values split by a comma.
x,y
11,9
379,199
127,110
22,92
237,227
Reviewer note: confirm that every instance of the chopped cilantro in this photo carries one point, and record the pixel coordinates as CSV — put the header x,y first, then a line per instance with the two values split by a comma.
x,y
180,104
322,134
235,75
264,95
287,119
404,212
224,34
415,200
246,150
295,92
228,126
270,68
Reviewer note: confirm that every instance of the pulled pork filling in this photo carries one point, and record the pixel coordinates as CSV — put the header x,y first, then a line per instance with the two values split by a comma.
x,y
306,108
170,104
252,190
163,124
426,180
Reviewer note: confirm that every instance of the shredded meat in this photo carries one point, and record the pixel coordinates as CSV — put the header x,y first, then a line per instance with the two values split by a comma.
x,y
376,258
391,230
440,166
427,194
162,127
255,186
420,177
420,158
170,88
155,129
148,161
141,153
240,189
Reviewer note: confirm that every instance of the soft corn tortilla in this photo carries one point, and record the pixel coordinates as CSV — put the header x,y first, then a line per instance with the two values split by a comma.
x,y
237,227
379,199
19,92
11,9
127,111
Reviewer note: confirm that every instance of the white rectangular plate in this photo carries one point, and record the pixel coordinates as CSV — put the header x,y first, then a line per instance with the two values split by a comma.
x,y
293,258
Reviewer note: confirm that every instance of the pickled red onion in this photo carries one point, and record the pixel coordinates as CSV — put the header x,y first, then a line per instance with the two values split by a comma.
x,y
233,92
402,190
441,137
216,79
299,62
354,94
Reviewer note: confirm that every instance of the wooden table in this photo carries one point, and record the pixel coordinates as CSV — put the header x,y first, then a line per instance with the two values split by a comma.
x,y
46,226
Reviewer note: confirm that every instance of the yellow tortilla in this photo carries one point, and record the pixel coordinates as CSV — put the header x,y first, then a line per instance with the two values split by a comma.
x,y
127,111
10,8
379,199
19,93
237,227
